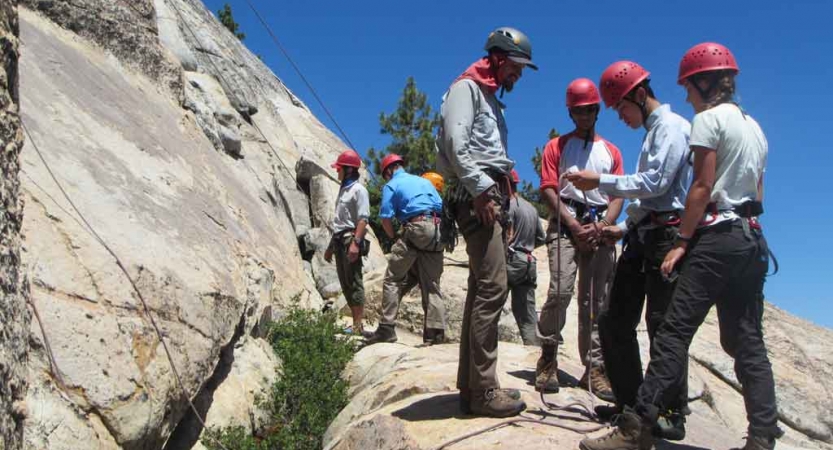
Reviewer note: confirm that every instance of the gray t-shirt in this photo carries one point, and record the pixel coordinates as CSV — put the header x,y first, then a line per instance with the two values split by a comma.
x,y
741,152
527,231
352,205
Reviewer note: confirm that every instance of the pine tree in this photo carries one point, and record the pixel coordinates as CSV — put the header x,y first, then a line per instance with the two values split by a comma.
x,y
528,191
227,19
412,128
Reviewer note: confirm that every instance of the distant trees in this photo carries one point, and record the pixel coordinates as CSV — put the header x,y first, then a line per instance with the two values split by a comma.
x,y
226,18
531,192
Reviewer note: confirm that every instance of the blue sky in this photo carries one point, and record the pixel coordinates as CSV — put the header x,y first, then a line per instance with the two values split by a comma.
x,y
358,55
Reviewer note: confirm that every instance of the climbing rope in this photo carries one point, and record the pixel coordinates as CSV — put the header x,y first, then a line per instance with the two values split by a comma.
x,y
145,307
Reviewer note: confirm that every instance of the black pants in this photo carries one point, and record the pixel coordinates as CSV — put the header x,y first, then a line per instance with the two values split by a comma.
x,y
725,267
637,276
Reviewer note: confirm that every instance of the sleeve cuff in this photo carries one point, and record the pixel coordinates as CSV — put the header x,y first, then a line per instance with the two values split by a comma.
x,y
479,184
623,225
607,181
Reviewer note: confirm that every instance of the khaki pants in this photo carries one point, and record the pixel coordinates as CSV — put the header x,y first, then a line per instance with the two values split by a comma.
x,y
487,289
595,272
349,274
415,258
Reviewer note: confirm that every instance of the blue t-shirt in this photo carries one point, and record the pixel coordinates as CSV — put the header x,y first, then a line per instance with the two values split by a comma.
x,y
406,196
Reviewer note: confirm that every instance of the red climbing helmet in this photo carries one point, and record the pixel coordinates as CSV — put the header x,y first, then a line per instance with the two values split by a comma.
x,y
706,57
618,79
581,92
348,158
515,178
390,159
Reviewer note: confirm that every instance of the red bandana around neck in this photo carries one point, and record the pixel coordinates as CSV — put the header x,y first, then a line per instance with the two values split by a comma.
x,y
481,73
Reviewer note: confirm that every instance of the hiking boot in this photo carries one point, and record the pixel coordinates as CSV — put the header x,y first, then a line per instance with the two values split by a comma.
x,y
606,412
433,336
465,398
755,442
546,372
495,403
384,333
631,433
601,385
670,426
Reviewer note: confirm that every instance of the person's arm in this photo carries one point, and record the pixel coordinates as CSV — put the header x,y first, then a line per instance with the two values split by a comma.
x,y
387,225
458,112
386,212
540,235
699,196
614,208
668,153
363,208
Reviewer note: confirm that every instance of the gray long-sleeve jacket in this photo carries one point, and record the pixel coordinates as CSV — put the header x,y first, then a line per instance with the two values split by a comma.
x,y
472,137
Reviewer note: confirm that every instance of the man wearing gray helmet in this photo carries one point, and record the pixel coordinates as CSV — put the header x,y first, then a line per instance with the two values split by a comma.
x,y
472,156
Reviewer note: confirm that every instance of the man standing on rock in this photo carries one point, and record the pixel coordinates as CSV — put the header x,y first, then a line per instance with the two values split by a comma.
x,y
473,157
525,233
349,228
657,192
417,256
576,246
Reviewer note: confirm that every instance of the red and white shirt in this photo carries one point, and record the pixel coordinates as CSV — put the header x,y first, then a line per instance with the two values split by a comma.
x,y
568,153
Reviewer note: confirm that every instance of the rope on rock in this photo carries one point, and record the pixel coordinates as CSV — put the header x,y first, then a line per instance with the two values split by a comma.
x,y
145,307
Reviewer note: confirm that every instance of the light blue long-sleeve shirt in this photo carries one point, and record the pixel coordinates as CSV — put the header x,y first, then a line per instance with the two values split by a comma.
x,y
663,174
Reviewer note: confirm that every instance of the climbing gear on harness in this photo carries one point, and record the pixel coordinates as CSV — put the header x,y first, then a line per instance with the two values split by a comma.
x,y
347,158
514,42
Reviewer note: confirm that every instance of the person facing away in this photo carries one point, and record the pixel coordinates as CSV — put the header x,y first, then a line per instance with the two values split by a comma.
x,y
657,191
524,235
416,257
472,156
574,242
726,259
349,227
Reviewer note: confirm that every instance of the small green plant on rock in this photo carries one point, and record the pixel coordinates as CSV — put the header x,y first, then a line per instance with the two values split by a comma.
x,y
310,391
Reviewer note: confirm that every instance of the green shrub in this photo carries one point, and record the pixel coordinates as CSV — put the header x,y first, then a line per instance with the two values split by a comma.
x,y
310,392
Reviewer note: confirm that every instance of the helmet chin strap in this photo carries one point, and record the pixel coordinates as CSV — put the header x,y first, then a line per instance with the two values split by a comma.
x,y
592,131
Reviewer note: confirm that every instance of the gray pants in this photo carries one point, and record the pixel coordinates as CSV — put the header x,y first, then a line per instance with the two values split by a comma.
x,y
595,273
521,270
415,258
349,273
487,289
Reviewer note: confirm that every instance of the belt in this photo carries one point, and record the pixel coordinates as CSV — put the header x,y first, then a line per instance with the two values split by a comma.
x,y
665,218
751,208
582,210
423,216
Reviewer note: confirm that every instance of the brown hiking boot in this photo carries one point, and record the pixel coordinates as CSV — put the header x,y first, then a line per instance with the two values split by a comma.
x,y
631,433
601,385
465,398
546,372
755,442
384,333
495,403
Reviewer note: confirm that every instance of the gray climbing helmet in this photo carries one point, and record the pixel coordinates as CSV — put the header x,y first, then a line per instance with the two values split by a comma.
x,y
513,42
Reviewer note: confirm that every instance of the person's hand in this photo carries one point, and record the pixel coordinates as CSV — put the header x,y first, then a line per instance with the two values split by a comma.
x,y
612,233
671,259
328,254
353,252
484,208
588,237
584,180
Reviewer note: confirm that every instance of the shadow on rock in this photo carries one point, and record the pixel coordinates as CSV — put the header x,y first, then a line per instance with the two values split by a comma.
x,y
528,375
438,407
